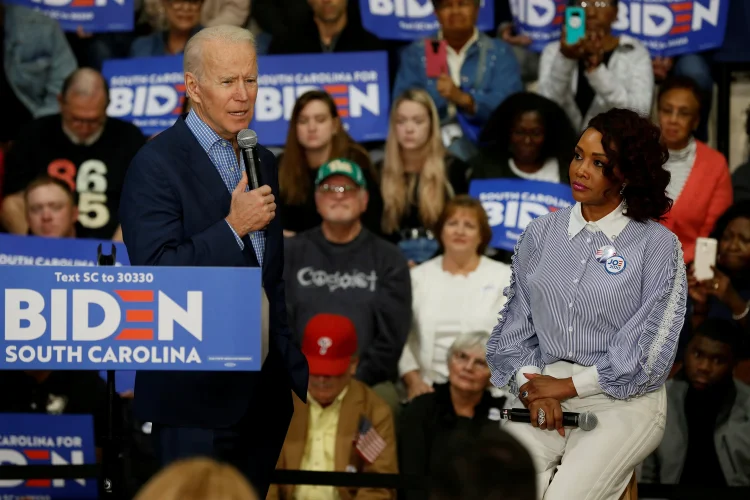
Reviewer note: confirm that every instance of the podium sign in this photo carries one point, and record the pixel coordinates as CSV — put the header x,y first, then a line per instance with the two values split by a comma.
x,y
38,439
130,318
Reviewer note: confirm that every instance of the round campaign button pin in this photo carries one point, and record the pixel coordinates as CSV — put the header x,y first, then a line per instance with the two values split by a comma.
x,y
615,265
605,253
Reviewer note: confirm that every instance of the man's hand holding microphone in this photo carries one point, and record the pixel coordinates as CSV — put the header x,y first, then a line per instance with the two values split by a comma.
x,y
251,210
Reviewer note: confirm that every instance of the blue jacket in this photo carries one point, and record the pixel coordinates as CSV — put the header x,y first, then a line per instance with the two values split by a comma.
x,y
172,213
490,73
154,45
37,59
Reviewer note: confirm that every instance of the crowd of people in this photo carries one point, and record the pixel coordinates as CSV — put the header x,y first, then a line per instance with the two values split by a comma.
x,y
392,285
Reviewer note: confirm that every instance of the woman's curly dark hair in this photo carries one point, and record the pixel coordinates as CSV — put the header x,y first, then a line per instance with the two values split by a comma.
x,y
559,134
633,146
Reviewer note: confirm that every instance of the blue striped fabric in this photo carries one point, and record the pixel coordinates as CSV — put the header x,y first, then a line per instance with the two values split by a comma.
x,y
563,305
223,157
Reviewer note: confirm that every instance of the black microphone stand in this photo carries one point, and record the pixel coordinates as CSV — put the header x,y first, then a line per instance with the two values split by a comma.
x,y
109,486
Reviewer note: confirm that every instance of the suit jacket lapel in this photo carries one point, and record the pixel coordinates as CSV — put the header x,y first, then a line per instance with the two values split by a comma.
x,y
205,171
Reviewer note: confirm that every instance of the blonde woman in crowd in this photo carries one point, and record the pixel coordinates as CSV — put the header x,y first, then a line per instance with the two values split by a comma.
x,y
197,479
317,136
457,292
418,176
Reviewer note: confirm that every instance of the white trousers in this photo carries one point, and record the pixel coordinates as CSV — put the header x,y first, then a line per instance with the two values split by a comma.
x,y
596,464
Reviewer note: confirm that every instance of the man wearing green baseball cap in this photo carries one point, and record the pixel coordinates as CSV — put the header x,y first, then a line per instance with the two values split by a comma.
x,y
342,268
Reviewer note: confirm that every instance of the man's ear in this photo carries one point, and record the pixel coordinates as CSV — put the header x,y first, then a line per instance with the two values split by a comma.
x,y
192,88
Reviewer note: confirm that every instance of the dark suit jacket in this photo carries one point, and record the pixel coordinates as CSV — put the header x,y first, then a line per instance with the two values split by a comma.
x,y
172,212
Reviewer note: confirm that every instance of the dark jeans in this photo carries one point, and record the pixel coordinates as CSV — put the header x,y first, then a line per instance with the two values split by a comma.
x,y
252,445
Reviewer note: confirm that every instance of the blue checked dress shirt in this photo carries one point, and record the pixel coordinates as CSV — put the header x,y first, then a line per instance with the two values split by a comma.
x,y
223,157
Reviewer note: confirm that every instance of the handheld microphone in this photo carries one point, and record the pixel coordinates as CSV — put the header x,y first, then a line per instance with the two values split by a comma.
x,y
248,141
585,421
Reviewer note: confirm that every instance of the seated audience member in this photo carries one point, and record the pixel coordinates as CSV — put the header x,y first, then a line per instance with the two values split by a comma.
x,y
459,291
57,393
340,267
491,465
700,186
418,175
218,12
481,71
599,73
741,176
35,58
82,147
345,427
316,136
51,208
707,433
326,29
183,21
463,404
527,137
198,479
727,295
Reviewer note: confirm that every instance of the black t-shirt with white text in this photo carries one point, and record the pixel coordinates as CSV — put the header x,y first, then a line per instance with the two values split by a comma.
x,y
96,172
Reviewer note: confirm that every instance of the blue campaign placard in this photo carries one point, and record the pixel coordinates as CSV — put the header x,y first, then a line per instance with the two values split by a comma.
x,y
36,251
93,16
666,27
150,92
512,203
357,81
134,318
39,439
412,19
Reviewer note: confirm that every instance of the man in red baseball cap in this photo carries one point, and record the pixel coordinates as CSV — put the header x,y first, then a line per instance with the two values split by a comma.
x,y
345,427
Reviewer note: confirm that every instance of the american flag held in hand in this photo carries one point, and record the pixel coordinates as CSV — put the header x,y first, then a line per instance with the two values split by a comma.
x,y
368,443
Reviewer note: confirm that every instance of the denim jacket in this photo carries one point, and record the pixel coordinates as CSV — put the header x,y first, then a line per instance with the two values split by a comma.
x,y
37,59
490,73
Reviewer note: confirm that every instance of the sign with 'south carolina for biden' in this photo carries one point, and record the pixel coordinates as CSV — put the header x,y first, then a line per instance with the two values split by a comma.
x,y
38,439
130,318
512,203
92,16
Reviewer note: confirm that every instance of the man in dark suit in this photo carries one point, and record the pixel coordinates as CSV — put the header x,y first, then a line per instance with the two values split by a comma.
x,y
185,203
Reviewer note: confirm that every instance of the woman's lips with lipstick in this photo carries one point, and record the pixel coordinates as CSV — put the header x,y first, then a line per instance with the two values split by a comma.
x,y
577,186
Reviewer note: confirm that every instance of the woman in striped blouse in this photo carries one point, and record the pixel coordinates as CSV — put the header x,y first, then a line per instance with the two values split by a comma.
x,y
594,311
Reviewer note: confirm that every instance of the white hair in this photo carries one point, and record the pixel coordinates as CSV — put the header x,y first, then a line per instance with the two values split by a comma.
x,y
468,341
193,55
85,82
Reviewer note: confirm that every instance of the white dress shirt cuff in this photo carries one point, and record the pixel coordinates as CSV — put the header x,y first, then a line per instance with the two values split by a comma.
x,y
521,379
586,382
236,236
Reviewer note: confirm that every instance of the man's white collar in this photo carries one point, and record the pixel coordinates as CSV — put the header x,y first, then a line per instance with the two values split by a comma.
x,y
611,224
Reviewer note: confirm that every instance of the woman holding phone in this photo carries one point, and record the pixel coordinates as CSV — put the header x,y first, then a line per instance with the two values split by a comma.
x,y
600,71
594,312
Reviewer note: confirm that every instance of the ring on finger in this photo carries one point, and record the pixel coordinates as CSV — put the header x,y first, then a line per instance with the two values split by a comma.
x,y
524,394
541,417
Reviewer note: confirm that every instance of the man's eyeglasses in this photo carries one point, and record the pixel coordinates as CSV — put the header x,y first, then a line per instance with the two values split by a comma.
x,y
333,188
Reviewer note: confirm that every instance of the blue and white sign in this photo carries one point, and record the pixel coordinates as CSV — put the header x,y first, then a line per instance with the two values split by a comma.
x,y
540,20
150,92
92,16
512,203
38,439
35,251
667,27
412,19
130,318
357,81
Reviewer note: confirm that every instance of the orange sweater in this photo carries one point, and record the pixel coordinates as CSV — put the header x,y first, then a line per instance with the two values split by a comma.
x,y
706,195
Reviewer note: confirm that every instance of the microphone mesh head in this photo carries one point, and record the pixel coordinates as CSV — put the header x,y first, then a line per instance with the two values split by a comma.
x,y
587,421
247,138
